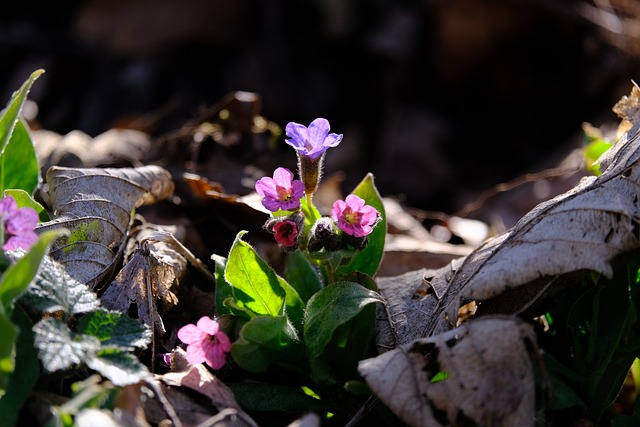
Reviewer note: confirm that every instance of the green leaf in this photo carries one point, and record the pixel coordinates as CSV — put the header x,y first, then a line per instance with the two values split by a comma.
x,y
114,329
18,163
21,273
337,327
9,334
54,290
266,341
23,199
302,275
26,372
8,122
253,281
120,367
256,286
368,260
60,348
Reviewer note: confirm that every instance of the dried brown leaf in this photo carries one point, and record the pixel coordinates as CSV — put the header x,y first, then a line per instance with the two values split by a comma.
x,y
96,205
479,372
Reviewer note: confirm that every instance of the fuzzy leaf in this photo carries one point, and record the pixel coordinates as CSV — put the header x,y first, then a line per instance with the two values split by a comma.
x,y
120,367
266,341
115,329
302,275
53,289
60,348
337,327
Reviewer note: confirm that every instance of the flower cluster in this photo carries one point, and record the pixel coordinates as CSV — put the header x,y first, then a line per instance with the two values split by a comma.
x,y
18,225
282,192
205,342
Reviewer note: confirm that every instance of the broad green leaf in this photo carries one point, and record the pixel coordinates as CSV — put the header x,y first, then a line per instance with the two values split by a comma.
x,y
120,367
21,273
302,275
26,372
60,348
332,318
368,260
18,163
23,199
266,341
294,307
8,121
114,329
54,290
9,334
253,281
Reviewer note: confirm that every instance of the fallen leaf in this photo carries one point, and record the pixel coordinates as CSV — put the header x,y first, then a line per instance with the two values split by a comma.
x,y
96,205
477,374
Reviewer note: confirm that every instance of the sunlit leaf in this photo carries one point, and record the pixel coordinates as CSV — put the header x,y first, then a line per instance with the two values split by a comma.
x,y
120,367
61,348
21,143
23,199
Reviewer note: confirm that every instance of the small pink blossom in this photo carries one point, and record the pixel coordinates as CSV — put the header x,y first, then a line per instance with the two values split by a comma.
x,y
18,225
206,342
353,216
312,141
286,232
281,191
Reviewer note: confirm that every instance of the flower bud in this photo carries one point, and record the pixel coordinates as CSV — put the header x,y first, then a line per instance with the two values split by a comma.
x,y
323,236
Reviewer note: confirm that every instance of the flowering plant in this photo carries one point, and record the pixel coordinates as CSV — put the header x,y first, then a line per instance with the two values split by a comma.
x,y
316,319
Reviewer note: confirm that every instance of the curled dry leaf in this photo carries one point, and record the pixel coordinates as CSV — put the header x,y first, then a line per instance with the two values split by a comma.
x,y
584,229
149,275
96,206
480,373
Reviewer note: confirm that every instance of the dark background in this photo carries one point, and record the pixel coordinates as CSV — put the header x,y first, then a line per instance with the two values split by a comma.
x,y
439,99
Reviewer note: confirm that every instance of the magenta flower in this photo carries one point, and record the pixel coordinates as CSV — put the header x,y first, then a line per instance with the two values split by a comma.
x,y
313,141
353,216
18,225
281,191
206,342
286,233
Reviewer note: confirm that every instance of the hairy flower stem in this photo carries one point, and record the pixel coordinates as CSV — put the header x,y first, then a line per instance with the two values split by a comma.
x,y
310,171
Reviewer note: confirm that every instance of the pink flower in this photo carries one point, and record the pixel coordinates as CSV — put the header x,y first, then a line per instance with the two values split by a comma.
x,y
281,191
286,233
353,216
18,225
312,141
206,342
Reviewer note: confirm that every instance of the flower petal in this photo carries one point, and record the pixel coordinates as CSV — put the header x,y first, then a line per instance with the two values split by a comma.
x,y
369,215
224,342
23,241
190,334
208,325
25,219
195,353
354,202
283,177
337,209
266,187
8,205
297,135
318,131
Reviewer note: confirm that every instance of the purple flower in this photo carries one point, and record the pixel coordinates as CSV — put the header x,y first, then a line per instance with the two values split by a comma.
x,y
206,342
353,216
281,191
286,233
18,225
313,141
